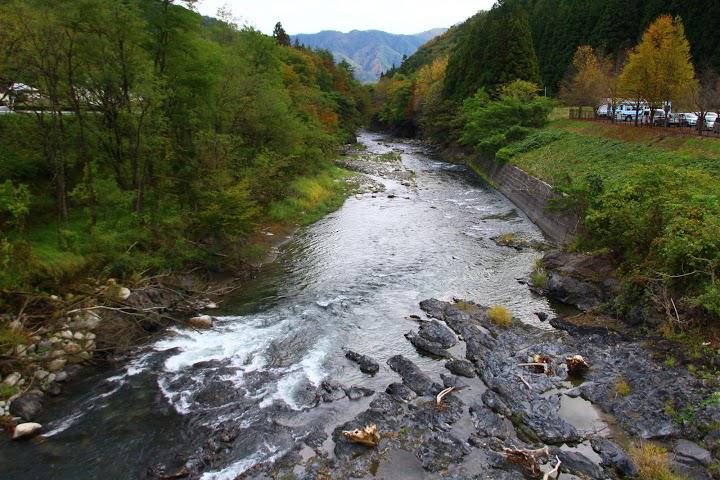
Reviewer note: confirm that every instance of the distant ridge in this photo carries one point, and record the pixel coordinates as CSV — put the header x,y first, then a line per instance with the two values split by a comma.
x,y
370,52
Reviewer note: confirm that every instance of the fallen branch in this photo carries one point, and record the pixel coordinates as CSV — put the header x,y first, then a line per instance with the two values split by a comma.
x,y
368,436
530,459
443,394
525,382
554,471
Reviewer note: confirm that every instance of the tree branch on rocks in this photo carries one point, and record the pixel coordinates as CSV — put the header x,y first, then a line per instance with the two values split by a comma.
x,y
530,459
441,395
555,471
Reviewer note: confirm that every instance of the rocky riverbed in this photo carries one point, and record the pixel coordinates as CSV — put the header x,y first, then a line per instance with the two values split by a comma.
x,y
501,403
335,337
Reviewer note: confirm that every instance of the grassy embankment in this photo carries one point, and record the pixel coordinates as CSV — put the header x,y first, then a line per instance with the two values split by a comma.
x,y
651,198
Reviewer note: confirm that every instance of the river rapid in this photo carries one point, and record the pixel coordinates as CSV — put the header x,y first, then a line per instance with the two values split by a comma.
x,y
349,281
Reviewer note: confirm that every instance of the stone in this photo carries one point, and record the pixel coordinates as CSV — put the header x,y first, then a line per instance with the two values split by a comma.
x,y
413,377
426,346
356,393
123,293
66,334
201,322
440,450
436,332
72,348
613,456
12,379
27,407
578,464
56,365
41,374
688,452
462,368
61,376
26,430
367,364
400,391
78,336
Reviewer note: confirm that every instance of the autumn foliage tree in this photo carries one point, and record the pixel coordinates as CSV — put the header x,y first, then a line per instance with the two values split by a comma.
x,y
660,68
586,82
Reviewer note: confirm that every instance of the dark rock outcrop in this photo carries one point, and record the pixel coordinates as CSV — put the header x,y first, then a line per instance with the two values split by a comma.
x,y
614,456
367,364
583,280
462,368
413,377
426,346
440,450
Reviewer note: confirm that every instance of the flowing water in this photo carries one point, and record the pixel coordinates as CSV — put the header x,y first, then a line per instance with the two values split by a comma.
x,y
348,281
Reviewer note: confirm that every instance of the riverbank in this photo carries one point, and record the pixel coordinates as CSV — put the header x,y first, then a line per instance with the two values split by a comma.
x,y
52,335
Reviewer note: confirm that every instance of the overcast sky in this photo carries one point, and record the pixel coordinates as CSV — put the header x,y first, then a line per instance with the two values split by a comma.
x,y
312,16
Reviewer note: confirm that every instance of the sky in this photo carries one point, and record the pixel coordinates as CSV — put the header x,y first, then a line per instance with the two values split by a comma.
x,y
312,16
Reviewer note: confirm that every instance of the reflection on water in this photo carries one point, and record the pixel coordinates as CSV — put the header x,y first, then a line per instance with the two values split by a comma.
x,y
349,281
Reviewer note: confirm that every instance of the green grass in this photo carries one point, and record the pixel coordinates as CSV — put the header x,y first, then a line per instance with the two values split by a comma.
x,y
10,339
6,391
313,197
567,151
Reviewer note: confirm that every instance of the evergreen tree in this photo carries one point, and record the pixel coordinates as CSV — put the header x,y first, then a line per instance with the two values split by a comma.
x,y
281,36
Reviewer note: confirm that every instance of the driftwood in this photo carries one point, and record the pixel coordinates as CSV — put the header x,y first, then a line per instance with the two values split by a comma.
x,y
555,471
368,436
525,382
443,394
539,364
530,459
577,365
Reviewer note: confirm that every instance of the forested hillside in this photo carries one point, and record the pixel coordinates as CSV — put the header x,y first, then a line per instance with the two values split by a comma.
x,y
370,53
480,90
147,138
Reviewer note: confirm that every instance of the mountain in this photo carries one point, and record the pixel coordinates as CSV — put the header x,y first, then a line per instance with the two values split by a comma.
x,y
370,52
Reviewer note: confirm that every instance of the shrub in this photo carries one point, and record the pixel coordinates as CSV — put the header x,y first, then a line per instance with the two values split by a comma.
x,y
500,316
652,462
6,391
622,388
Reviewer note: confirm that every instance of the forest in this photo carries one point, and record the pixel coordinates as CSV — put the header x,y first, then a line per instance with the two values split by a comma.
x,y
146,137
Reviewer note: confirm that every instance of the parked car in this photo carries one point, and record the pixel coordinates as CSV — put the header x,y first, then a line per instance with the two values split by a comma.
x,y
710,120
603,111
687,119
4,109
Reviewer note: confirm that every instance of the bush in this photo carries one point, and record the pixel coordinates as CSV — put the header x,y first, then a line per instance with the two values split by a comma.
x,y
491,124
652,462
622,388
500,316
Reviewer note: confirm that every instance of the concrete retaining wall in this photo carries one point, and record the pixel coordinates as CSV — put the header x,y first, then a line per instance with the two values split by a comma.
x,y
532,196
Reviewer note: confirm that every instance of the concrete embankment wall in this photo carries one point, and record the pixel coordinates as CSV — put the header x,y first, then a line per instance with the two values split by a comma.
x,y
533,197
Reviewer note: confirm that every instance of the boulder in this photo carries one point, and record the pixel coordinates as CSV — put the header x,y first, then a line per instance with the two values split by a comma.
x,y
440,450
436,332
26,430
201,322
356,393
462,368
400,391
578,464
426,346
413,377
614,456
688,453
583,280
27,406
367,364
12,379
56,365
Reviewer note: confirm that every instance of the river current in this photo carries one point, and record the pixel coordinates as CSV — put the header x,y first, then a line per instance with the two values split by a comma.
x,y
349,281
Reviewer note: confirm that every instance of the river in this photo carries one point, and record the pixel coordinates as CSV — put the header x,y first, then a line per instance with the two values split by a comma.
x,y
349,281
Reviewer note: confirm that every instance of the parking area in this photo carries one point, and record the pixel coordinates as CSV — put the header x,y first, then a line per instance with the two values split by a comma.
x,y
678,128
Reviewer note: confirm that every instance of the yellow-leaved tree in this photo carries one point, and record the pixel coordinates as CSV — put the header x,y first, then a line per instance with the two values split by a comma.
x,y
660,68
586,82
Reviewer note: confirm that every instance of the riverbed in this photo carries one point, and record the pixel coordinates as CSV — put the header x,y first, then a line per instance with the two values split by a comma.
x,y
352,280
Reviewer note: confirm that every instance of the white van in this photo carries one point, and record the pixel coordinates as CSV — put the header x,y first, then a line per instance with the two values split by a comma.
x,y
626,112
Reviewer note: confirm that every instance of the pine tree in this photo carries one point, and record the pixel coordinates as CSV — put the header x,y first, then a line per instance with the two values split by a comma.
x,y
281,36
